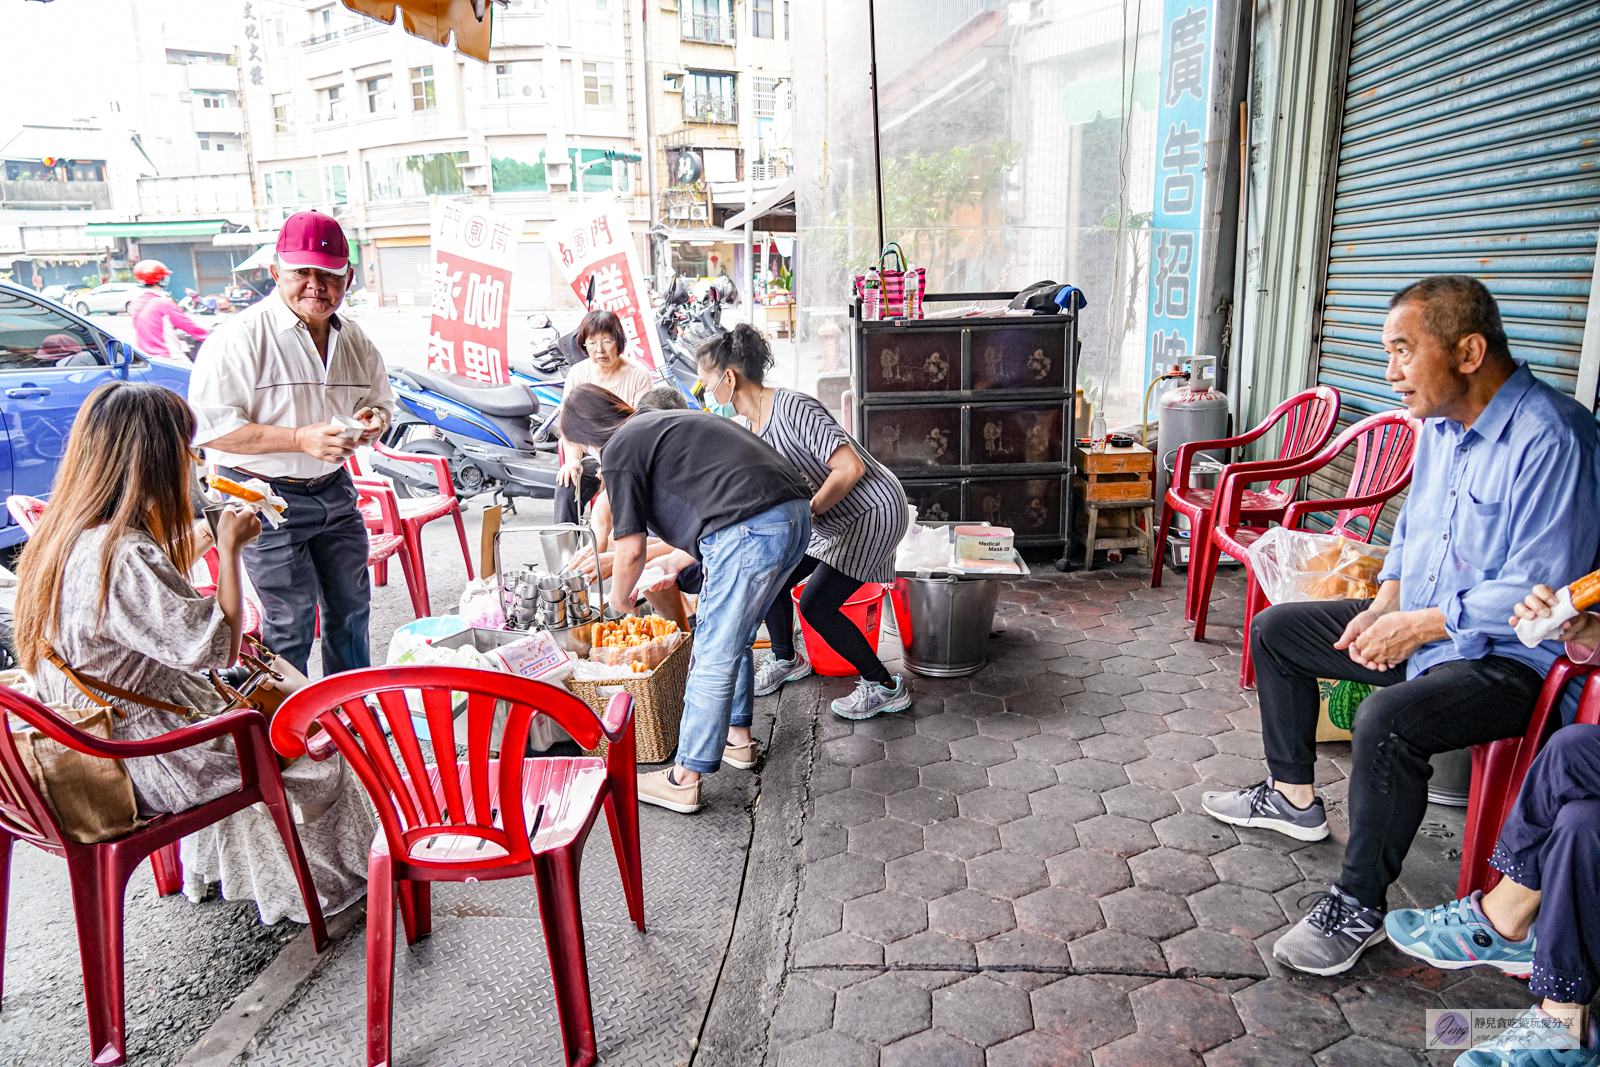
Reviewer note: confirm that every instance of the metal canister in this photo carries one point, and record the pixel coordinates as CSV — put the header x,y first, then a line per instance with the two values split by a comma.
x,y
1197,412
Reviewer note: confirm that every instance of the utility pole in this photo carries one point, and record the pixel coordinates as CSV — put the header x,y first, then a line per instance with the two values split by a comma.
x,y
649,148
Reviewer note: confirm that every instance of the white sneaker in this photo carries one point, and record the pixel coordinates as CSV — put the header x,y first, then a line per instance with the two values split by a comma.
x,y
870,698
774,672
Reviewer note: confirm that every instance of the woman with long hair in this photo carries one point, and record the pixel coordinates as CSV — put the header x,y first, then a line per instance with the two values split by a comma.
x,y
102,584
600,334
707,487
858,516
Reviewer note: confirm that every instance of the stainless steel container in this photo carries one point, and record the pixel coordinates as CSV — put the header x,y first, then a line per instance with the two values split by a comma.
x,y
947,634
1452,778
1195,412
559,545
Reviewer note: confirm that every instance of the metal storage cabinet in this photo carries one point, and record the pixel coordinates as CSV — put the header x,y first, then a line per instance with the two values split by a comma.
x,y
973,415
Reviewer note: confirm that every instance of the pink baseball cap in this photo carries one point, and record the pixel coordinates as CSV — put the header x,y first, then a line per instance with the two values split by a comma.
x,y
312,239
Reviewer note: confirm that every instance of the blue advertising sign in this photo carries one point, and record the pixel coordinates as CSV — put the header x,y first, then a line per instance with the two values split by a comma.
x,y
1187,31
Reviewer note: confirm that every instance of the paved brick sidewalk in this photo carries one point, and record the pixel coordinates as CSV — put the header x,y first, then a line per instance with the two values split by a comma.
x,y
1016,872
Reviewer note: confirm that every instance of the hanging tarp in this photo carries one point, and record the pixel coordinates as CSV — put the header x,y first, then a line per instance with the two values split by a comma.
x,y
436,20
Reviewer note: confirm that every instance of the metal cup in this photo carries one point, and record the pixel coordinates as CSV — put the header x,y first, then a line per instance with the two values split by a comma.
x,y
551,589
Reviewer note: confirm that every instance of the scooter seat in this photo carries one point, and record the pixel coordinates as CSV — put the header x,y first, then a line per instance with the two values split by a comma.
x,y
506,401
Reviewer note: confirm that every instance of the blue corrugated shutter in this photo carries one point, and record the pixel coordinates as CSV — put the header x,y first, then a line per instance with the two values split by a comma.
x,y
1470,145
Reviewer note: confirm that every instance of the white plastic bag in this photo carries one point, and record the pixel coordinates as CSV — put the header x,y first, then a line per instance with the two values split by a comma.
x,y
480,606
419,632
923,549
1297,565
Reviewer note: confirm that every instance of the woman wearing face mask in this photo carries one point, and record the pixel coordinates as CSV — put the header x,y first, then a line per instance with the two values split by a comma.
x,y
858,516
601,336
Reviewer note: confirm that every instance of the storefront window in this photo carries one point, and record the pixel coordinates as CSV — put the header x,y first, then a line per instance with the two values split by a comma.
x,y
1066,147
414,177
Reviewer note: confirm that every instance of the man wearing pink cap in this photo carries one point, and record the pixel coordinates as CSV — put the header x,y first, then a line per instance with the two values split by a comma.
x,y
266,388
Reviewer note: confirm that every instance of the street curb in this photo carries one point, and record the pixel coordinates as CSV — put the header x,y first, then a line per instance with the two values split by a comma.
x,y
747,990
272,991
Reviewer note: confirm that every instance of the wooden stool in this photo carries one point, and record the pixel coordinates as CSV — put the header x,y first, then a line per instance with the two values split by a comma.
x,y
1118,479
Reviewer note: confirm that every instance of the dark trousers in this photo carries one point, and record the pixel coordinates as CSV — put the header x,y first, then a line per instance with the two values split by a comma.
x,y
822,603
316,558
1453,705
571,500
1551,842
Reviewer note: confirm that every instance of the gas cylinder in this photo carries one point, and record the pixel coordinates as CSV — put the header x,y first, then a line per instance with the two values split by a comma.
x,y
1196,412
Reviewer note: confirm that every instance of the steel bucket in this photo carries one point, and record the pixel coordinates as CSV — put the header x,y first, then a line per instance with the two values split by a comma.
x,y
944,623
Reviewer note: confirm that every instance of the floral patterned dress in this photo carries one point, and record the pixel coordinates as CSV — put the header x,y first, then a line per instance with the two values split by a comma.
x,y
154,637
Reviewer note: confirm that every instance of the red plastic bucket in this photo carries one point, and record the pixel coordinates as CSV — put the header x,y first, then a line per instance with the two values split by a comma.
x,y
864,608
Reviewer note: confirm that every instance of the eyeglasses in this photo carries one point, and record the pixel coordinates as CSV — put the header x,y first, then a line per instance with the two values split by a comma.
x,y
596,344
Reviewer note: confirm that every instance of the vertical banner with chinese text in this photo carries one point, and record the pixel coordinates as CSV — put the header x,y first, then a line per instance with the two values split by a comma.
x,y
1175,228
594,240
474,251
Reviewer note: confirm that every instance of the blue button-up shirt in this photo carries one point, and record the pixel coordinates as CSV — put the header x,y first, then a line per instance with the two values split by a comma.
x,y
1493,511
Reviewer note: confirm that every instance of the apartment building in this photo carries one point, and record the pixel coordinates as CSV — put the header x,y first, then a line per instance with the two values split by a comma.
x,y
721,94
363,121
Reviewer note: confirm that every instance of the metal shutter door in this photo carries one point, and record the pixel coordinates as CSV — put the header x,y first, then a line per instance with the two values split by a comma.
x,y
530,281
406,267
1470,145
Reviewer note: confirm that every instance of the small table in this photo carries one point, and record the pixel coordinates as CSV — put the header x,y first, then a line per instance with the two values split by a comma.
x,y
1118,479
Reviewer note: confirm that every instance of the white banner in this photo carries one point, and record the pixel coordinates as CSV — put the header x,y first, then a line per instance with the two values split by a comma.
x,y
594,239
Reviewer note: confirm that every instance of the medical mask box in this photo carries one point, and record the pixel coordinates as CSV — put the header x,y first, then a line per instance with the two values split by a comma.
x,y
536,656
984,542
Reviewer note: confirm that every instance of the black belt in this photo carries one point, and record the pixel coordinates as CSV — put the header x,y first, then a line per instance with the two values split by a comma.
x,y
301,484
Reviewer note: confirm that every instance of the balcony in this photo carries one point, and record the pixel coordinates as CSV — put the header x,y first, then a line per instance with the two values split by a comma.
x,y
709,107
712,29
67,196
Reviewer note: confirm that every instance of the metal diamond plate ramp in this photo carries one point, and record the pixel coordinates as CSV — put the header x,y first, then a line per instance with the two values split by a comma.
x,y
478,991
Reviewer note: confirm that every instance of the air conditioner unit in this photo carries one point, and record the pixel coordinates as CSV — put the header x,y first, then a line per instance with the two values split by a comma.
x,y
699,213
678,211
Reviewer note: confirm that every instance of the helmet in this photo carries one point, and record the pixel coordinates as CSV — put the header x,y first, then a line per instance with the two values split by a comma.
x,y
151,271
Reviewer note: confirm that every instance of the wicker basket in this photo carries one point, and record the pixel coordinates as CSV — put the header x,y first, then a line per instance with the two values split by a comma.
x,y
657,704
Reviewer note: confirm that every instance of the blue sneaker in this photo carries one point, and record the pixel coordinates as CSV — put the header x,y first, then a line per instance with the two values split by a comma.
x,y
1534,1040
1458,935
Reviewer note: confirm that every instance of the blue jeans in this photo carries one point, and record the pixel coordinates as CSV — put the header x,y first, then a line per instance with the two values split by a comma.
x,y
745,565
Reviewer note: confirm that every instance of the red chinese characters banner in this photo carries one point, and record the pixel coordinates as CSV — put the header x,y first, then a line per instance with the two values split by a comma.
x,y
595,240
474,251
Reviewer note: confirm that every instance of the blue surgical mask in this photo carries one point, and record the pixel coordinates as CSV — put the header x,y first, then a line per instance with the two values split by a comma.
x,y
717,407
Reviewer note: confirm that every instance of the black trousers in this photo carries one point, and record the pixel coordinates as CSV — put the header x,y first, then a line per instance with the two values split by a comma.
x,y
1396,729
571,500
317,558
821,603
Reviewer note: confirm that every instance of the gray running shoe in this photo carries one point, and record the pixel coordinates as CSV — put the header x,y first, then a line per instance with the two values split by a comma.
x,y
1332,936
1262,805
774,672
870,698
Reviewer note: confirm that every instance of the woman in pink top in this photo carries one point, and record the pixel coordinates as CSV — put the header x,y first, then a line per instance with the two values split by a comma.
x,y
602,337
153,310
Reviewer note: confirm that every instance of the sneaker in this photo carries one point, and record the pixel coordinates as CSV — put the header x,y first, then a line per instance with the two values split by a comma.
x,y
1458,935
740,756
1332,936
659,789
870,698
774,672
1262,805
1534,1040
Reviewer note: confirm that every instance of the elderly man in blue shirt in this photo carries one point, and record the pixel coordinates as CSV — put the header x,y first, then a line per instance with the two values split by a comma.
x,y
1504,497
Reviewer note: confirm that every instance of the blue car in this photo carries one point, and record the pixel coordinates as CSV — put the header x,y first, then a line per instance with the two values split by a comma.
x,y
51,359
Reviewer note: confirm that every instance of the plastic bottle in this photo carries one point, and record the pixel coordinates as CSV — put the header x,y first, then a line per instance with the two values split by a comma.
x,y
872,296
1097,433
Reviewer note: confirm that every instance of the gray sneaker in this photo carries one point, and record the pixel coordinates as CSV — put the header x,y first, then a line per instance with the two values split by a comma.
x,y
870,698
1262,805
774,672
1332,936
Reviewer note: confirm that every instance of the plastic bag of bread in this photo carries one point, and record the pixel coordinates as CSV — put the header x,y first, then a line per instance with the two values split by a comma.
x,y
640,643
1294,565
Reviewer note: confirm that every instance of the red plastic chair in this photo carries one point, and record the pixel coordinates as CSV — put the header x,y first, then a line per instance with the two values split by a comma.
x,y
100,873
1383,442
416,512
459,827
386,538
1499,768
1308,420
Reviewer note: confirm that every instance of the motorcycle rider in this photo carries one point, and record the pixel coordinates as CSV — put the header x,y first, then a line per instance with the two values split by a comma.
x,y
153,310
